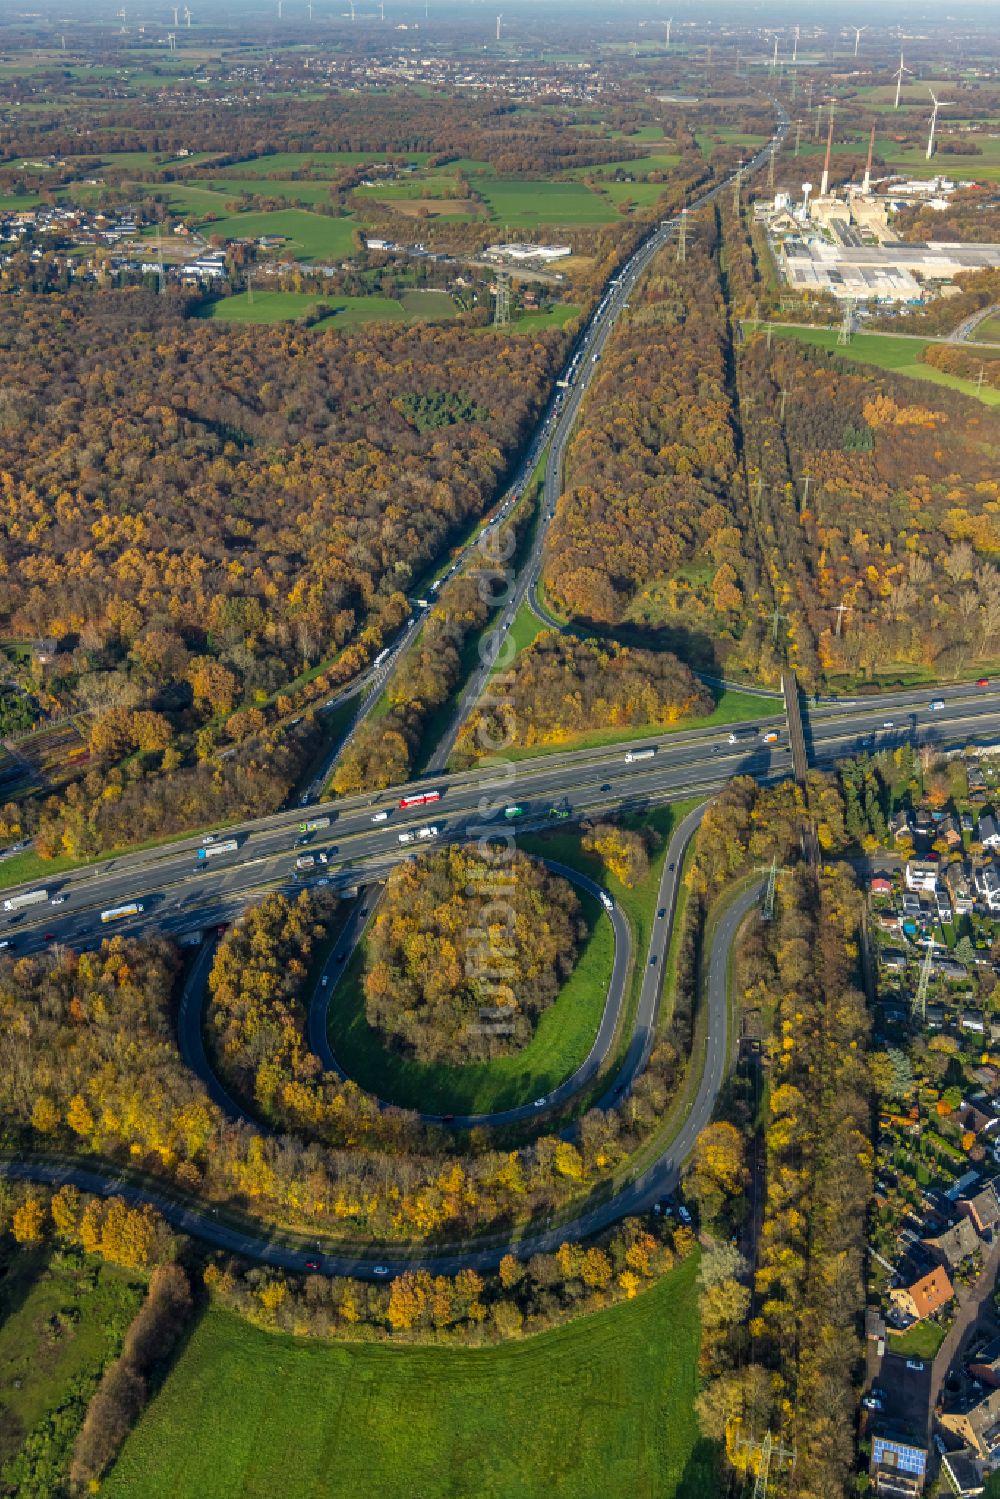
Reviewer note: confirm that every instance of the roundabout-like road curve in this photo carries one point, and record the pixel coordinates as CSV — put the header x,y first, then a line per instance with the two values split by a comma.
x,y
272,1247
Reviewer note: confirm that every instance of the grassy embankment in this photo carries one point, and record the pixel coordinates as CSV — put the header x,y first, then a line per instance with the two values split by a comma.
x,y
562,1040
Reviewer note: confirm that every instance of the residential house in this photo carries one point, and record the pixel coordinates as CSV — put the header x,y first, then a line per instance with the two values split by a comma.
x,y
949,832
911,904
963,1474
955,1245
894,959
988,887
983,1209
986,1365
958,878
926,1296
976,1116
880,885
989,831
921,874
942,901
897,1467
902,825
975,1419
936,1016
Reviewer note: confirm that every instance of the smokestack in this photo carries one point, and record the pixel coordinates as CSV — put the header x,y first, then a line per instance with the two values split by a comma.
x,y
866,186
824,185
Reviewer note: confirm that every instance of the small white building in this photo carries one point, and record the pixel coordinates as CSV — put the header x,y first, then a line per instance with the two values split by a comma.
x,y
920,874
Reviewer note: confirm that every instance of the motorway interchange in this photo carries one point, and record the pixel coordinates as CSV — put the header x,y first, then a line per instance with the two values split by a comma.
x,y
196,883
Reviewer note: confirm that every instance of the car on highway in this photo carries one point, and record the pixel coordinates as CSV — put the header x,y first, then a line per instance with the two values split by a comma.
x,y
312,1264
872,1403
888,723
606,786
540,1103
57,900
325,980
406,837
380,817
48,936
208,838
661,913
916,1364
684,1215
381,1269
6,944
936,705
652,960
983,682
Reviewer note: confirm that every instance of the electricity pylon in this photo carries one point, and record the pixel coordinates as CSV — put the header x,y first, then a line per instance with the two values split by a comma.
x,y
920,998
501,313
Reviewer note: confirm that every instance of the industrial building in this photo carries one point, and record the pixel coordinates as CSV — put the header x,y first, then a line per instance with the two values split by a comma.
x,y
527,252
895,271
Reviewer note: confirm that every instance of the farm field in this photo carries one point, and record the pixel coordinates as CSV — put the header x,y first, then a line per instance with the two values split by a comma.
x,y
554,317
643,194
562,1039
602,1406
347,312
317,161
526,205
229,188
309,235
279,306
887,351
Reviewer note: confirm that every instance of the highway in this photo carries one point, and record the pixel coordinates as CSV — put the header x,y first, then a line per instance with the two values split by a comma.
x,y
180,893
270,1247
559,422
189,886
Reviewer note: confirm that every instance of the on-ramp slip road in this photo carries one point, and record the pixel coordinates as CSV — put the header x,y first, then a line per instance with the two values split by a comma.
x,y
260,1243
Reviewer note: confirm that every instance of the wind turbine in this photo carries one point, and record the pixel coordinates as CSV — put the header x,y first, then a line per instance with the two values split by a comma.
x,y
499,27
669,24
172,40
309,8
176,10
280,4
121,16
795,46
898,75
938,104
381,10
187,16
857,36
